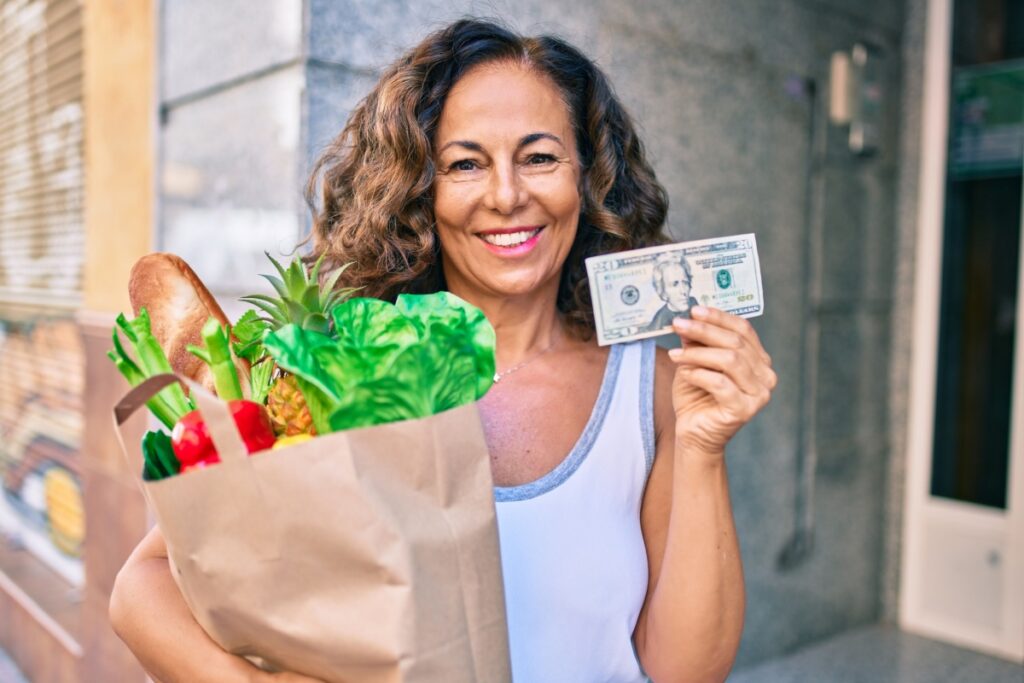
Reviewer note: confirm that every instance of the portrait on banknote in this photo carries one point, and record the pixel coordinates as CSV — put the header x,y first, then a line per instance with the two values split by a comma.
x,y
672,278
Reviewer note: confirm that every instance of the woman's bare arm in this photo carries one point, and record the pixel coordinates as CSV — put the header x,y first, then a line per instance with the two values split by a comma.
x,y
149,614
691,622
690,626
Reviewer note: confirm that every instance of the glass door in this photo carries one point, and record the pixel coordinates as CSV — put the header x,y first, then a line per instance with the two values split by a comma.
x,y
963,566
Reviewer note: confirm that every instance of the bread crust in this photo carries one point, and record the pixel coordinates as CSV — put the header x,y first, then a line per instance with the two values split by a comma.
x,y
179,304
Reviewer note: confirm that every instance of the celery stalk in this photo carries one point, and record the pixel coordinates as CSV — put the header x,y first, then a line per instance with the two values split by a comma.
x,y
217,355
154,361
261,376
135,377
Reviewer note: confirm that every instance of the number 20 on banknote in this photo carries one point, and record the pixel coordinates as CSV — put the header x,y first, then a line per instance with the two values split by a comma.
x,y
636,294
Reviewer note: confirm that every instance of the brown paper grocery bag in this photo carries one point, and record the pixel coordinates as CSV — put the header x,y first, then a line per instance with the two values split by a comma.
x,y
362,556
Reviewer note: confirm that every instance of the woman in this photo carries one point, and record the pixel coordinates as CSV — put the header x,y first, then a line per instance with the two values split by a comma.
x,y
491,165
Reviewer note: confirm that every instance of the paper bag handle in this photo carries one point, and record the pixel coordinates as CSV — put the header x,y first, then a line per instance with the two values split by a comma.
x,y
215,413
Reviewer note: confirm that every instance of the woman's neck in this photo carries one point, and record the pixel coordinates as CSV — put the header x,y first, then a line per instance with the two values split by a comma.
x,y
524,325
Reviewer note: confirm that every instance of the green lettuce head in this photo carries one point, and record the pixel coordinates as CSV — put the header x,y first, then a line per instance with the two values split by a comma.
x,y
423,355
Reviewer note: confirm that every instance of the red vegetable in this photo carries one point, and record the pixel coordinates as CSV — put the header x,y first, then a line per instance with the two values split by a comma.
x,y
191,441
194,447
253,424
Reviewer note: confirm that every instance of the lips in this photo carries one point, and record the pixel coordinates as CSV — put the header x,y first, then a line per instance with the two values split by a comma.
x,y
511,241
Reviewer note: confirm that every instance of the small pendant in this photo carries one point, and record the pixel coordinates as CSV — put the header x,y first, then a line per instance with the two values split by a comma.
x,y
497,376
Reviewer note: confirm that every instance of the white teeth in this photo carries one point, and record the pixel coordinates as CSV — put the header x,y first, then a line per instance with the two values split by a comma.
x,y
510,239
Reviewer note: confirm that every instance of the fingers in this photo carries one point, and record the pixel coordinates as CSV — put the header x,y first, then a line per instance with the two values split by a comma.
x,y
708,333
728,361
715,383
289,677
738,404
722,359
740,327
737,324
741,405
716,329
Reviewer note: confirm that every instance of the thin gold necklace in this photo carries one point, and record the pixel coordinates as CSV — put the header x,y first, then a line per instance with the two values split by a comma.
x,y
498,376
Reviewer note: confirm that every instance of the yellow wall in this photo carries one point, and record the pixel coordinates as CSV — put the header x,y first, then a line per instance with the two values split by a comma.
x,y
120,53
121,128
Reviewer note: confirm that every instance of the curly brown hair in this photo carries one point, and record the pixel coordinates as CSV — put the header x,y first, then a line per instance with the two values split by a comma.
x,y
375,180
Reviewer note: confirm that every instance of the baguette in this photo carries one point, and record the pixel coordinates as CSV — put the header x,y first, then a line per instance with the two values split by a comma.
x,y
179,304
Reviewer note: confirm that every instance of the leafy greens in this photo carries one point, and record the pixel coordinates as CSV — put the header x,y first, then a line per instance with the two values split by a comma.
x,y
421,356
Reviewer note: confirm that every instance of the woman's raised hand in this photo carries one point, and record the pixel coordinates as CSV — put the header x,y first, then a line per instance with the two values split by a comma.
x,y
723,378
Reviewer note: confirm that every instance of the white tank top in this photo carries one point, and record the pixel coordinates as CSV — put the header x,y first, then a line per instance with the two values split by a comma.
x,y
572,553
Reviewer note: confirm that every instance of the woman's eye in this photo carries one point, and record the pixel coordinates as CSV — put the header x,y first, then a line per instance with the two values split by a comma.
x,y
540,159
463,165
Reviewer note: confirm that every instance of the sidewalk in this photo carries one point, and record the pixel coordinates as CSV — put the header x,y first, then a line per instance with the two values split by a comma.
x,y
882,654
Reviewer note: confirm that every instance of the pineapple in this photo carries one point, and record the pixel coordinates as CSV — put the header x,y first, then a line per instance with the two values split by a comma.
x,y
287,407
301,300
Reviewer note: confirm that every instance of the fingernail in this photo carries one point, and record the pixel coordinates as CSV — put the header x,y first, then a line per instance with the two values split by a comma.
x,y
675,354
699,311
682,323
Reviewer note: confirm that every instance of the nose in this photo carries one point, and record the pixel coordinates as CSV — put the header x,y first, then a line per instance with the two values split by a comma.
x,y
505,190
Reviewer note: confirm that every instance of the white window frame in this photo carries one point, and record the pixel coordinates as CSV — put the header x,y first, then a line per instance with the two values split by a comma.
x,y
921,510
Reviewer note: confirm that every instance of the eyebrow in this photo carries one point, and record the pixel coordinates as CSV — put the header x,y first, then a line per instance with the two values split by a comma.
x,y
526,140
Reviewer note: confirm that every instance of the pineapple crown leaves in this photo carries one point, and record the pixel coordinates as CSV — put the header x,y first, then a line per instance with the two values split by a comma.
x,y
301,299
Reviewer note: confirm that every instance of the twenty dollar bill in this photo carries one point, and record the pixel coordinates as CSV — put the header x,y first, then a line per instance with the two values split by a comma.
x,y
637,294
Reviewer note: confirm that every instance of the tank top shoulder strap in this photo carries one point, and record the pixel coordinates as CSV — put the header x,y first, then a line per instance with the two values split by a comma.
x,y
647,355
633,406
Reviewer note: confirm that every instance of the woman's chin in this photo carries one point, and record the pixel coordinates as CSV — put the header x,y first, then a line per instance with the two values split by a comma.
x,y
515,285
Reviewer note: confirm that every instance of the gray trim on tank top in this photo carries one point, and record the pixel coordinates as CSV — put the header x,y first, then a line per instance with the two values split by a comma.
x,y
636,656
572,462
647,400
647,357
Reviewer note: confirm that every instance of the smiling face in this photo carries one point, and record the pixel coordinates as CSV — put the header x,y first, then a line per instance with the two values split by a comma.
x,y
506,196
